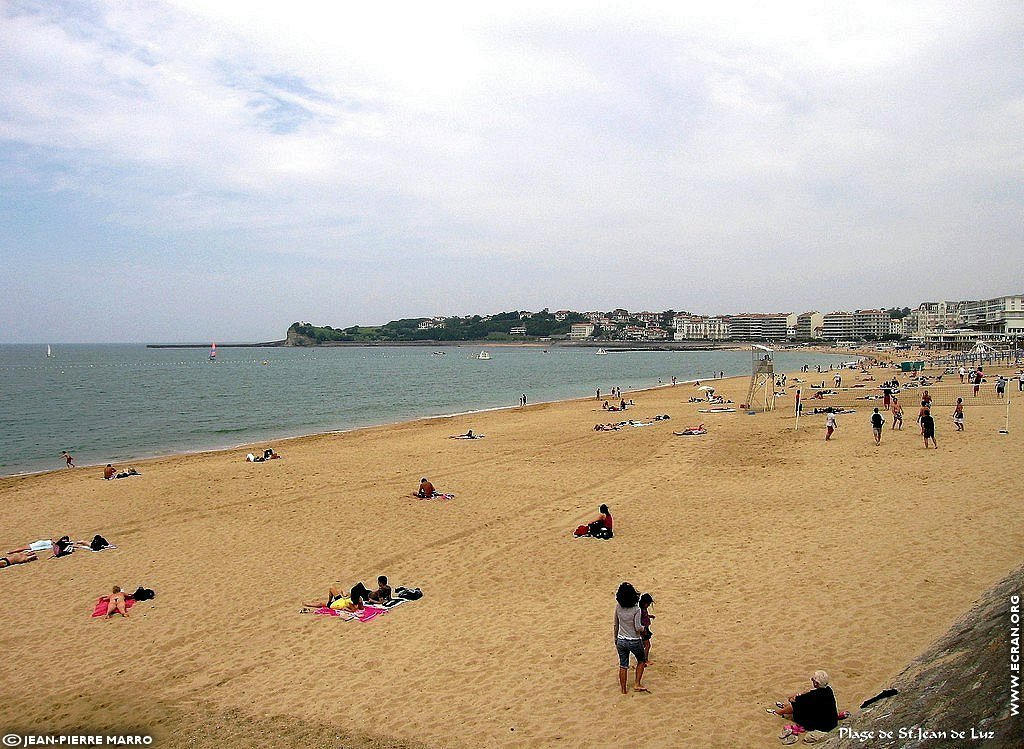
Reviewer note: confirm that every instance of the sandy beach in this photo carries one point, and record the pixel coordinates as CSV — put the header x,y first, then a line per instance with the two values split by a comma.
x,y
770,553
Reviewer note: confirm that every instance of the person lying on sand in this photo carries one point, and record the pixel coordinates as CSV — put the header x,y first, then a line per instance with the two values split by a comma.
x,y
467,436
116,603
426,490
337,600
113,473
815,709
17,557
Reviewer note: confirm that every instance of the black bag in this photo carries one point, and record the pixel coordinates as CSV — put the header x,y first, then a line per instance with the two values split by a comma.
x,y
98,543
143,594
414,594
601,532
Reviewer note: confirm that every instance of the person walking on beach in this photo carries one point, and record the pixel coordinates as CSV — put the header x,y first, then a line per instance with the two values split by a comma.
x,y
838,379
628,627
962,373
830,426
599,394
68,459
978,377
886,396
928,429
877,420
645,619
524,399
897,414
958,415
1000,387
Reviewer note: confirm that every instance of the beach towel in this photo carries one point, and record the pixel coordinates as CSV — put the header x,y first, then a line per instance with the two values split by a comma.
x,y
44,544
108,546
369,613
101,605
716,410
436,495
345,616
467,437
691,432
390,604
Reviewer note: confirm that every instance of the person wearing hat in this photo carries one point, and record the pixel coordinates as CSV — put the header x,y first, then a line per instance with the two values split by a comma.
x,y
815,710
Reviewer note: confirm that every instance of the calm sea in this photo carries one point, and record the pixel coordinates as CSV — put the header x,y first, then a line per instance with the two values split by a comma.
x,y
115,403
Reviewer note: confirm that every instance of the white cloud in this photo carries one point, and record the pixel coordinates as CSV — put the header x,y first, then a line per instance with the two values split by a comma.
x,y
879,135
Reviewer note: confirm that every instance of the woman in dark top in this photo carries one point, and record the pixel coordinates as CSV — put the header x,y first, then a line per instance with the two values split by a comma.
x,y
602,527
814,710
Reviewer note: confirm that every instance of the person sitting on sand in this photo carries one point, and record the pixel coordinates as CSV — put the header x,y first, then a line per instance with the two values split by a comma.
x,y
383,592
426,490
116,603
815,710
17,557
602,526
109,472
269,454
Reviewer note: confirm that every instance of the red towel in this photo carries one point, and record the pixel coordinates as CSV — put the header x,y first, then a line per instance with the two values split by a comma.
x,y
102,601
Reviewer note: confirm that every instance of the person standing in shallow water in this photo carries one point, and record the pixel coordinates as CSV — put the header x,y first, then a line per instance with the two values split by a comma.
x,y
628,636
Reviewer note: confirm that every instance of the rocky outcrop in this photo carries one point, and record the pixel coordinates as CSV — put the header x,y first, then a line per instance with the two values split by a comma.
x,y
958,692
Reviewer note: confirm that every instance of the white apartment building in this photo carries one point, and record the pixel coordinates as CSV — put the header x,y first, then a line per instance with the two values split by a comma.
x,y
837,326
931,316
694,328
809,325
871,323
562,314
1004,314
648,318
898,327
756,326
580,330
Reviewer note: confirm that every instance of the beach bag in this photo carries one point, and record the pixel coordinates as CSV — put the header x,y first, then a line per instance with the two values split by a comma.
x,y
582,530
98,543
601,532
414,594
143,594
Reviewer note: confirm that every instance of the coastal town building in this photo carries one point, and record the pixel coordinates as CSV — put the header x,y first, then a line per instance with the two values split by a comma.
x,y
942,315
696,328
1003,314
580,330
871,323
837,326
809,325
760,326
561,314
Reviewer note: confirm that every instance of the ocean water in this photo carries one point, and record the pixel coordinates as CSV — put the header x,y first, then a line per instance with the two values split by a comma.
x,y
116,403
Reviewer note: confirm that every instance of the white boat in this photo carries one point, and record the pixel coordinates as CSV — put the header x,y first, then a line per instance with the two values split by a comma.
x,y
483,355
49,354
213,352
601,352
440,353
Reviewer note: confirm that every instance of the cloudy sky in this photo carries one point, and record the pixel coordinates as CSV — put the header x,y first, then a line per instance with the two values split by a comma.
x,y
194,170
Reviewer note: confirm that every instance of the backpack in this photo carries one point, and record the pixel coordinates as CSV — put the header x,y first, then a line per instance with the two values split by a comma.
x,y
143,594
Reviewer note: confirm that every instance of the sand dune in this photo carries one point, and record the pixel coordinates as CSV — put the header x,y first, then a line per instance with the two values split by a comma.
x,y
770,554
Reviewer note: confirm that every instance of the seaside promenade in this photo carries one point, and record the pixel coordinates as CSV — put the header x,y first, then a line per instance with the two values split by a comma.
x,y
770,554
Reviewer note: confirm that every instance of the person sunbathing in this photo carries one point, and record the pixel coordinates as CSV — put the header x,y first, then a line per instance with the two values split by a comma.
x,y
815,709
116,603
17,557
337,600
426,490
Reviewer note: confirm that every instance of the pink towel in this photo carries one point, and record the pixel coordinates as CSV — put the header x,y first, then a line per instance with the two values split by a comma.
x,y
371,612
102,601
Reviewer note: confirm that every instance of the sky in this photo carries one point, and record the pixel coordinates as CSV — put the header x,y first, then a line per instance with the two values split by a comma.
x,y
187,170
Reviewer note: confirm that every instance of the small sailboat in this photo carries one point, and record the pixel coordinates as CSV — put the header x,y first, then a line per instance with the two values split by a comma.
x,y
601,352
49,354
483,355
213,352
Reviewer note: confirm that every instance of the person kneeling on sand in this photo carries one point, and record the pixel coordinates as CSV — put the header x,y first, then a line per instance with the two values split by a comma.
x,y
815,709
426,490
17,557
